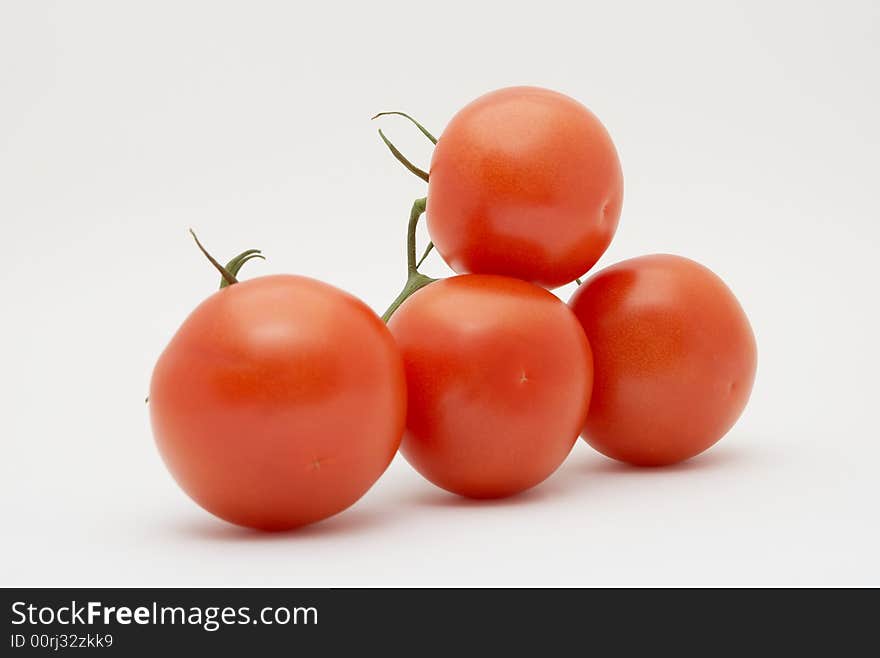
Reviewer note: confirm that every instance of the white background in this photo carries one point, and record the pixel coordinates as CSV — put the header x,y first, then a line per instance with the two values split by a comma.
x,y
749,138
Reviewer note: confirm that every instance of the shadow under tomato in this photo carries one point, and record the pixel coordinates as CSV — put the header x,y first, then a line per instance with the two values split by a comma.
x,y
585,471
347,522
718,458
553,488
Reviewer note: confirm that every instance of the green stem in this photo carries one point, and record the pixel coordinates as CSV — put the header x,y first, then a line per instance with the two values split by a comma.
x,y
417,124
428,250
421,173
413,283
229,272
417,210
414,279
227,276
234,266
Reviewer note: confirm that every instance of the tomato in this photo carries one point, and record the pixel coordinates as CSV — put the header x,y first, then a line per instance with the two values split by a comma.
x,y
674,357
279,402
524,182
499,376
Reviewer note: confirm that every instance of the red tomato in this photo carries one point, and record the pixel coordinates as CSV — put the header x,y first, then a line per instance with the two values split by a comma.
x,y
524,182
499,375
279,402
674,357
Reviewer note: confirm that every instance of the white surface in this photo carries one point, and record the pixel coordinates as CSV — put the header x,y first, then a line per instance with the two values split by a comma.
x,y
748,135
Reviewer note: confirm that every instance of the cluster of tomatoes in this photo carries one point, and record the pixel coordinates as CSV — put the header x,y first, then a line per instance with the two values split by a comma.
x,y
282,399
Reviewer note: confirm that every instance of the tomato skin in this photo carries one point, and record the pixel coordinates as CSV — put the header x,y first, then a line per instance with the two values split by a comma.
x,y
279,402
499,376
524,182
674,358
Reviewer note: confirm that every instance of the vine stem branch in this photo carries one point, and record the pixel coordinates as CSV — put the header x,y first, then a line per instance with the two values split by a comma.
x,y
423,130
230,271
421,173
415,280
227,277
427,251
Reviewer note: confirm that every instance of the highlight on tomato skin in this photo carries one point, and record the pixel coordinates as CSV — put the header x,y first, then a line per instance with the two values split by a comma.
x,y
674,359
524,182
278,402
499,375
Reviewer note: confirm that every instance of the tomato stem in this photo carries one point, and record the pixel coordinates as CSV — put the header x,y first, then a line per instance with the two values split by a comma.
x,y
415,280
405,115
421,173
428,250
413,284
229,272
415,213
235,264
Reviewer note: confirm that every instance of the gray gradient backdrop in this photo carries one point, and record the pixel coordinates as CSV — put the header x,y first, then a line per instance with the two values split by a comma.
x,y
748,134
